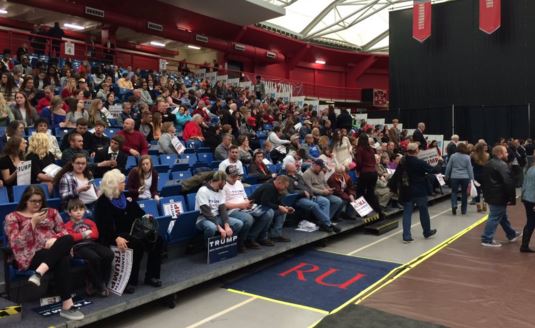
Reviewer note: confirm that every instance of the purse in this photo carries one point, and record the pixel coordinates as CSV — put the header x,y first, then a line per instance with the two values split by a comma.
x,y
145,228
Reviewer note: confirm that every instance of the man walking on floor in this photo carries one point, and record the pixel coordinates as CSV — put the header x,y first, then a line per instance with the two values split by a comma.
x,y
499,191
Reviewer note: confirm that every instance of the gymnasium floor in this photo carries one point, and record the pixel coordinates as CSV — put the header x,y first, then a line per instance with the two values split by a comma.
x,y
213,306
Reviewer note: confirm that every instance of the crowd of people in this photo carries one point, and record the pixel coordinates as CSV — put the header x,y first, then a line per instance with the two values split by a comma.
x,y
316,154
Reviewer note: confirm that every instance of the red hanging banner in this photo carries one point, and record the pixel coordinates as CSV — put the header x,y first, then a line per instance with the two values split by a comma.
x,y
490,15
421,20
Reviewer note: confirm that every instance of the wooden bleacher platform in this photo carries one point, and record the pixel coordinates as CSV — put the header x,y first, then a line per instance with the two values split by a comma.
x,y
181,272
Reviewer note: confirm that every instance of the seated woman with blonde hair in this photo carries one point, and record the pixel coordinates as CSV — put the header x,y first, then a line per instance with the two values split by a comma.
x,y
41,157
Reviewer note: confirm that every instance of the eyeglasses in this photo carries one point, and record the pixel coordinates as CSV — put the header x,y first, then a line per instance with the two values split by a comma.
x,y
35,201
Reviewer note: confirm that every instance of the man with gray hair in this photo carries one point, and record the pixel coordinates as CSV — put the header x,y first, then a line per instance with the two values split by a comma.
x,y
192,129
418,136
452,146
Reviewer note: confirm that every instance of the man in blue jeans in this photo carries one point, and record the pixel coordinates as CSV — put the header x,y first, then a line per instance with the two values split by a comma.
x,y
499,191
269,208
318,206
210,201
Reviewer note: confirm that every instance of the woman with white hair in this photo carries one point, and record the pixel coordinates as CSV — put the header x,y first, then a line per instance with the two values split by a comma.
x,y
192,129
114,215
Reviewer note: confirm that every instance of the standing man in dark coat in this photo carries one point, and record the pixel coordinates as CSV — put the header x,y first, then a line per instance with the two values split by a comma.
x,y
418,136
499,191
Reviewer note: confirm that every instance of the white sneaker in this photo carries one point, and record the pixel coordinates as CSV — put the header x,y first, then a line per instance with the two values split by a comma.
x,y
515,238
72,314
35,279
493,243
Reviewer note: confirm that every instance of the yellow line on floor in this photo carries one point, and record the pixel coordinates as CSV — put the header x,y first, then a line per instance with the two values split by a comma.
x,y
420,259
299,306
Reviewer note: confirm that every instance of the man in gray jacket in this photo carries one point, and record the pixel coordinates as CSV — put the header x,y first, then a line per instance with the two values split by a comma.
x,y
314,178
221,151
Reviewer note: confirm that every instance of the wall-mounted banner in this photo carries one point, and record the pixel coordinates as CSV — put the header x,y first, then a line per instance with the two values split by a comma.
x,y
490,15
421,20
380,98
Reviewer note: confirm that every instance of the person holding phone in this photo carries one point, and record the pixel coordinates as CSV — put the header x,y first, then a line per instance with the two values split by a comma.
x,y
143,180
39,242
268,196
75,181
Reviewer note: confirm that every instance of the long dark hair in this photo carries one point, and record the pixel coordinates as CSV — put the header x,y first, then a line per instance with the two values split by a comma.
x,y
29,192
9,86
363,141
27,106
69,168
140,169
12,128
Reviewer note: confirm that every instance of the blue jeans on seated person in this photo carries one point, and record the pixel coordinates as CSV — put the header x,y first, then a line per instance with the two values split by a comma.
x,y
209,228
455,183
425,220
319,206
336,205
276,223
247,220
262,222
497,215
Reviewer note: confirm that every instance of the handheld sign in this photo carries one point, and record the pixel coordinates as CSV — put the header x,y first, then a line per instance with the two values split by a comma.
x,y
121,269
179,147
222,249
172,209
51,170
440,179
24,173
430,156
362,207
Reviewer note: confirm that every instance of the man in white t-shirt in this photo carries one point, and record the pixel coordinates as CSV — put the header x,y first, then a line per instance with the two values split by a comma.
x,y
233,159
239,206
210,201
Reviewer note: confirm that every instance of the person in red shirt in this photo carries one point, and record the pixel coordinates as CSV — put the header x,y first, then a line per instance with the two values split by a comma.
x,y
45,101
98,257
135,143
192,129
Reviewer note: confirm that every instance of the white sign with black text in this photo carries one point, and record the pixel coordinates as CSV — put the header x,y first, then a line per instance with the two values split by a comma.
x,y
121,268
362,207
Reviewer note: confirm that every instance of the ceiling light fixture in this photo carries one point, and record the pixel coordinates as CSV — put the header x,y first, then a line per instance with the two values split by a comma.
x,y
193,47
157,44
320,61
73,26
3,11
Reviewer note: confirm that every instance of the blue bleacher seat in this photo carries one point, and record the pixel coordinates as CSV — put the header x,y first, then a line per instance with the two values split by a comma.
x,y
184,228
251,179
193,144
254,187
190,198
204,150
172,188
60,132
114,123
192,159
181,175
97,182
110,132
248,191
155,159
353,176
19,190
168,159
161,168
163,225
131,161
3,196
150,206
205,157
215,164
162,180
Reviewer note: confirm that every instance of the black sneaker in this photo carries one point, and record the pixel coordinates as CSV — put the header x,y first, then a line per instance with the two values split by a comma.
x,y
281,239
335,228
266,242
454,210
407,240
431,232
326,228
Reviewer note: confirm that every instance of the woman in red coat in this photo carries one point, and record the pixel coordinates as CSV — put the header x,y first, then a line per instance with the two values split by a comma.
x,y
367,171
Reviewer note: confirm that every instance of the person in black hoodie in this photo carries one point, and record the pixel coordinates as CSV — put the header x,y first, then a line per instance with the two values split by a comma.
x,y
344,120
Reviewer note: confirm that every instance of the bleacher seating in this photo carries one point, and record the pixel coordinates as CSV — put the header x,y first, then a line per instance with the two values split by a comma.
x,y
190,199
150,206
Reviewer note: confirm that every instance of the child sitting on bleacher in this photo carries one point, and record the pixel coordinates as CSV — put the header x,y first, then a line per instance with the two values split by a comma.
x,y
98,257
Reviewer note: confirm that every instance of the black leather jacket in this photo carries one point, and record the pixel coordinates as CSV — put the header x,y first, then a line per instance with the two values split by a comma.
x,y
497,183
